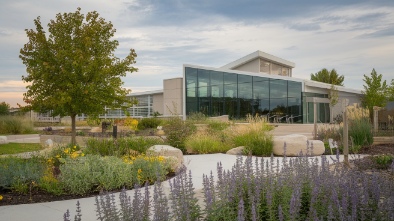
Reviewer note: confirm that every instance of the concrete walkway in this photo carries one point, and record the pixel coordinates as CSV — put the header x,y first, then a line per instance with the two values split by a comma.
x,y
197,164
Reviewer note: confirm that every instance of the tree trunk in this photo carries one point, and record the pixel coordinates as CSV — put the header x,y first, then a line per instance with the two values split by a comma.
x,y
73,133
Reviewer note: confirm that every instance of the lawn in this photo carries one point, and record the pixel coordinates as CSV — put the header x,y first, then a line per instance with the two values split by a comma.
x,y
13,148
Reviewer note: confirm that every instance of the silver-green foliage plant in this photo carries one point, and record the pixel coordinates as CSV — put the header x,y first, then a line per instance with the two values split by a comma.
x,y
83,174
17,172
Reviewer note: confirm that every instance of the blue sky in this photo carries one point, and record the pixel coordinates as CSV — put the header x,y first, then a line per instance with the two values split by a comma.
x,y
351,36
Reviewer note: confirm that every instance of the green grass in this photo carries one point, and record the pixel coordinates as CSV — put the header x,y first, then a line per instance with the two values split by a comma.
x,y
13,148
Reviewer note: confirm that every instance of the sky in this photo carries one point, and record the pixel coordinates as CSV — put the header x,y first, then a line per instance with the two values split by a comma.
x,y
352,36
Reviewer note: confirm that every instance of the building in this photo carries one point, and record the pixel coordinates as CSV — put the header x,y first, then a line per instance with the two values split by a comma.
x,y
258,83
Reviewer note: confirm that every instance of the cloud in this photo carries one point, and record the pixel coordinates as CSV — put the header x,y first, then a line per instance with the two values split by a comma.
x,y
304,27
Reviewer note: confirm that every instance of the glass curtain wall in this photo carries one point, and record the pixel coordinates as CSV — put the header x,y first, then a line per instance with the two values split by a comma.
x,y
216,93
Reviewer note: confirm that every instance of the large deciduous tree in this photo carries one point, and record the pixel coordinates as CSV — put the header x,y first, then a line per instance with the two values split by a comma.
x,y
329,77
374,93
72,68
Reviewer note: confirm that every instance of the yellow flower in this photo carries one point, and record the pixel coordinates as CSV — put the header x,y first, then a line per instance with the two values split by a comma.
x,y
1,197
82,154
67,150
139,171
58,156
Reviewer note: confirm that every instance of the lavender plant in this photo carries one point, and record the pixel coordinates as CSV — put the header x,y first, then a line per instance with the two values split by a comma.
x,y
300,188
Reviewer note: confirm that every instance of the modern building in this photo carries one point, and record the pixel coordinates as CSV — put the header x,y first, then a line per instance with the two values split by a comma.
x,y
258,83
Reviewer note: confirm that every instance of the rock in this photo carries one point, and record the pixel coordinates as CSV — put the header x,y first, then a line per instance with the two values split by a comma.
x,y
160,132
167,151
295,144
3,140
49,143
236,151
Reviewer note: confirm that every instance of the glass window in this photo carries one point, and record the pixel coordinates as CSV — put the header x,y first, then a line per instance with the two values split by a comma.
x,y
260,88
216,78
203,78
278,88
230,90
294,89
276,69
230,78
244,79
245,90
191,82
264,66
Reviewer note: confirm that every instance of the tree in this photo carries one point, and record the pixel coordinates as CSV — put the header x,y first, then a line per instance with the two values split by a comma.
x,y
329,77
4,108
390,91
73,70
374,93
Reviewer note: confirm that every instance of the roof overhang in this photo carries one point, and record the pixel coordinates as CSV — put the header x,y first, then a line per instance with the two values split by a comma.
x,y
255,55
145,93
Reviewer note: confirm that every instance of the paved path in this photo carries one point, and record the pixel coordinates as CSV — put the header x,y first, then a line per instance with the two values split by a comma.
x,y
198,164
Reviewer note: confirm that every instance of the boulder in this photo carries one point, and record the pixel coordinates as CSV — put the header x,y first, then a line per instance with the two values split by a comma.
x,y
3,140
297,144
236,151
49,143
167,151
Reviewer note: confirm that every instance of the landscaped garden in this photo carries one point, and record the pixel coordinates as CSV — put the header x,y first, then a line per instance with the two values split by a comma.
x,y
252,190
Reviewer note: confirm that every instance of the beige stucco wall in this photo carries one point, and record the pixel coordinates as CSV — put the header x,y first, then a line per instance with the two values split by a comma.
x,y
172,96
158,103
252,66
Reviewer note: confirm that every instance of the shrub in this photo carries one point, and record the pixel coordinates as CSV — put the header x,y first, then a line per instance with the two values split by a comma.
x,y
334,131
18,174
255,143
177,131
197,117
255,137
218,125
204,143
130,123
360,130
120,146
92,172
149,123
15,125
383,161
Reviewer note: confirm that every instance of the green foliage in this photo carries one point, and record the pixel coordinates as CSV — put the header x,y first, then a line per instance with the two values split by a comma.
x,y
197,117
120,146
149,123
85,174
254,137
329,77
4,108
71,67
255,143
360,131
383,161
177,131
218,125
326,131
18,173
204,143
374,93
15,125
